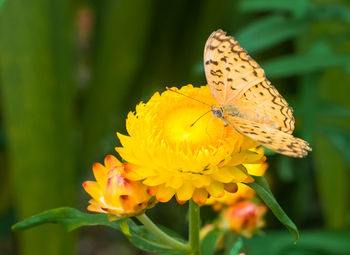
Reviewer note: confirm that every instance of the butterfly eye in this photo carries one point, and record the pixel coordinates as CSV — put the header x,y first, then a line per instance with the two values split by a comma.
x,y
218,113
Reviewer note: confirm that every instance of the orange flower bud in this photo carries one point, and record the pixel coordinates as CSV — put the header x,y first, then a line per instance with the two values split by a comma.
x,y
113,192
244,217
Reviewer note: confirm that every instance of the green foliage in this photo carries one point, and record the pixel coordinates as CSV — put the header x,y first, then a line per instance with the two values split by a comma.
x,y
116,58
271,30
331,109
311,243
210,240
340,138
68,217
71,219
38,92
2,2
144,240
236,247
297,65
296,7
263,190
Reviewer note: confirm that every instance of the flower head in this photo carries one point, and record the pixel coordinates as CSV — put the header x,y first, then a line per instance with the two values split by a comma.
x,y
113,192
179,153
243,217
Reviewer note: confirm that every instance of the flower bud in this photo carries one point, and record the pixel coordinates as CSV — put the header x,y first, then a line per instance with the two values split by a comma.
x,y
113,193
244,217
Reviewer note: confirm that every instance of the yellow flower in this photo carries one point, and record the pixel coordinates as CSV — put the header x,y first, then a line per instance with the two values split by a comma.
x,y
113,192
243,217
243,192
178,153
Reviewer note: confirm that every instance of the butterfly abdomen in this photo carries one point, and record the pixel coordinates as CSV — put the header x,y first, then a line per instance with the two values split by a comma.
x,y
263,119
232,111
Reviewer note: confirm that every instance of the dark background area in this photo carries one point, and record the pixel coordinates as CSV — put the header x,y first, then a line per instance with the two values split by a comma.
x,y
70,71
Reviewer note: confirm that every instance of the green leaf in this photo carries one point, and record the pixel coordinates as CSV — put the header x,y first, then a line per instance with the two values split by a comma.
x,y
209,241
261,187
296,65
125,227
312,243
331,12
332,109
340,137
2,2
236,247
233,243
144,240
270,30
296,7
69,217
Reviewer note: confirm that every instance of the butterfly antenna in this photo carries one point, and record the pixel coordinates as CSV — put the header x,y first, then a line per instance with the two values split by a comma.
x,y
187,96
199,118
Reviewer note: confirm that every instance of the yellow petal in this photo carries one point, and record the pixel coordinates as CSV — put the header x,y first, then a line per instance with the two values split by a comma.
x,y
237,159
164,194
175,182
155,180
200,196
216,189
125,140
134,176
256,169
185,192
223,175
201,181
253,157
100,173
239,173
94,208
93,189
111,161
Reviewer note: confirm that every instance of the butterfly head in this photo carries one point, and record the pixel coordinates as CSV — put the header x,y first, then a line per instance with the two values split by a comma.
x,y
217,111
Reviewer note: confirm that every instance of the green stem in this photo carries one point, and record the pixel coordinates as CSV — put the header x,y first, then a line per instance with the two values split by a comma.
x,y
194,227
162,235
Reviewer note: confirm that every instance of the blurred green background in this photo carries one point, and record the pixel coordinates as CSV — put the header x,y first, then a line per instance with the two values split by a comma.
x,y
70,71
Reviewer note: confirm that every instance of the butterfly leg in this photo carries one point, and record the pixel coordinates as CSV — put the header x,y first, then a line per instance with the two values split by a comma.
x,y
226,122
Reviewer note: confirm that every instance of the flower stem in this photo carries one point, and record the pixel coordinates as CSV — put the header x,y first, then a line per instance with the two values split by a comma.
x,y
194,227
168,240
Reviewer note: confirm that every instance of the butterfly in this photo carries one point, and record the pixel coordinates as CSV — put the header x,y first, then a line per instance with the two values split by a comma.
x,y
246,99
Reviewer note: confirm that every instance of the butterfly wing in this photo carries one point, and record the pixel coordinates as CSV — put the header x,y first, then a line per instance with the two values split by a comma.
x,y
271,138
262,103
228,68
235,78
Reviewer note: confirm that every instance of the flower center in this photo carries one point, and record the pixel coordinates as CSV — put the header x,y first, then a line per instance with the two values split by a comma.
x,y
183,126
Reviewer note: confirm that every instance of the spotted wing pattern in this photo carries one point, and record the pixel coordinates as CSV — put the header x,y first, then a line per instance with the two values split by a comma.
x,y
229,69
271,138
262,103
